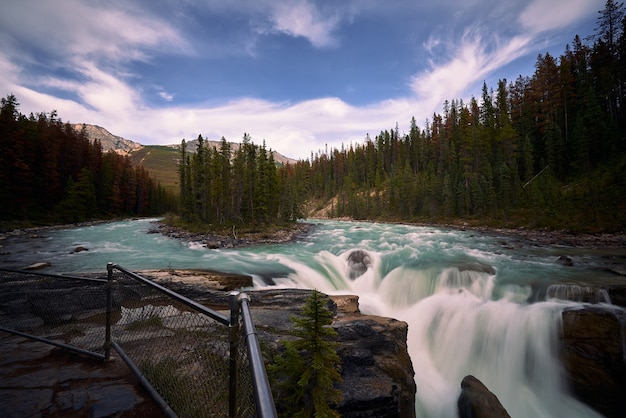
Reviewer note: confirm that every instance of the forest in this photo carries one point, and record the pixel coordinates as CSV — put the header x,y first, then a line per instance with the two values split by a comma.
x,y
543,151
51,173
245,186
547,150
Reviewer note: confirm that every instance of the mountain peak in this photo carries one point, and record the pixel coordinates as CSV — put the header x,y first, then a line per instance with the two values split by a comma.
x,y
108,141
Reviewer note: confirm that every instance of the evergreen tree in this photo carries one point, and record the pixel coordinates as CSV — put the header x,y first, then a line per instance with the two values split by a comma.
x,y
308,368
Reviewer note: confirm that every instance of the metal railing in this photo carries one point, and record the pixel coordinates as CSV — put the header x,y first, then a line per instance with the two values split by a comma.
x,y
181,351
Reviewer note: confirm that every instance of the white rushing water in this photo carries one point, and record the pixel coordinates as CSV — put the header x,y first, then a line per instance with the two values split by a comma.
x,y
467,297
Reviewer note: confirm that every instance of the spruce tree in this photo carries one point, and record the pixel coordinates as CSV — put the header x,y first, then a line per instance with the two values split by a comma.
x,y
309,366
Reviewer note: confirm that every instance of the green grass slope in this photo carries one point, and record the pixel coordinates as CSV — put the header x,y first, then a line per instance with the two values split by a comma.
x,y
161,162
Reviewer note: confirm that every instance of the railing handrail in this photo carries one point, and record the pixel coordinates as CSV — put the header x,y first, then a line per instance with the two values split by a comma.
x,y
52,275
262,391
219,317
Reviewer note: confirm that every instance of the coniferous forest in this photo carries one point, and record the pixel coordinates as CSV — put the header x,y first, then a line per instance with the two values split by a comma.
x,y
546,150
51,173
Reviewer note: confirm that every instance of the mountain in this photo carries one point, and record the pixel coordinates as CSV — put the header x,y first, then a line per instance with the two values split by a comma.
x,y
234,147
160,160
108,140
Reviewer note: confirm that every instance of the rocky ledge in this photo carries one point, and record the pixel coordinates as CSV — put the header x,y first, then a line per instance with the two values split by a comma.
x,y
378,376
593,342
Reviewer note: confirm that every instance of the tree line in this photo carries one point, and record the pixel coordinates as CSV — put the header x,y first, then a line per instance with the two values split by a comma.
x,y
545,150
49,172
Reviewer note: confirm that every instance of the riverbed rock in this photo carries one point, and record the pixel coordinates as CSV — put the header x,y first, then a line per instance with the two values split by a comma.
x,y
565,261
593,340
606,292
203,279
358,263
347,304
476,401
619,269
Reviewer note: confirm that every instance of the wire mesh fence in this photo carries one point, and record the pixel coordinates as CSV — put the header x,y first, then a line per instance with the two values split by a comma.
x,y
184,354
196,360
64,310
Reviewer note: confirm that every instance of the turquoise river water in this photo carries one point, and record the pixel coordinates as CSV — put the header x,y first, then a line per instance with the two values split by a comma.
x,y
466,296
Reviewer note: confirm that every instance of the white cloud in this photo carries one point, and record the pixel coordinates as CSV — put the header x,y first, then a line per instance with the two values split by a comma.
x,y
166,96
542,15
303,19
471,60
77,28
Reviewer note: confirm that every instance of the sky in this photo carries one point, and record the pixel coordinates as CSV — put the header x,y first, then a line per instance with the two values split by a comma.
x,y
301,75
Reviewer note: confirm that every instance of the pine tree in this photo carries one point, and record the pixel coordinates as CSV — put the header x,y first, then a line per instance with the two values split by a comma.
x,y
309,366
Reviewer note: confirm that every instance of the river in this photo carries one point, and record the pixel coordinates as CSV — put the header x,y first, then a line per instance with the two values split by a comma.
x,y
466,296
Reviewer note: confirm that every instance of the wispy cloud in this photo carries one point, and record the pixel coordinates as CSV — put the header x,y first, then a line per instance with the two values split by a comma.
x,y
470,60
78,28
303,18
166,96
541,15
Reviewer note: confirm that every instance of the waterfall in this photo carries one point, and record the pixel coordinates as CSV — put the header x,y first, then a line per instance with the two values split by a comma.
x,y
578,293
459,325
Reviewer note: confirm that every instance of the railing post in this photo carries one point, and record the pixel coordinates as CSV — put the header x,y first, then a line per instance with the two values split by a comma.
x,y
233,335
107,337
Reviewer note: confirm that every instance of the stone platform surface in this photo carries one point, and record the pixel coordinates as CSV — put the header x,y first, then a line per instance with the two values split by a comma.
x,y
40,380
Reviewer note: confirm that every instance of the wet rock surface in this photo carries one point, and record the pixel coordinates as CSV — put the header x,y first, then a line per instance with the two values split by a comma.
x,y
376,368
40,380
593,343
476,401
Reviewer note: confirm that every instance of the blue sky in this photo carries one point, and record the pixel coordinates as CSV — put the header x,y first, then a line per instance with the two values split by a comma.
x,y
299,74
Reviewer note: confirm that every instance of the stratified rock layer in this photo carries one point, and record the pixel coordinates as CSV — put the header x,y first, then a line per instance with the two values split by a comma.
x,y
593,342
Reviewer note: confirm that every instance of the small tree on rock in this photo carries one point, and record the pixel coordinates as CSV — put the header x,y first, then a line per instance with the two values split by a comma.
x,y
308,368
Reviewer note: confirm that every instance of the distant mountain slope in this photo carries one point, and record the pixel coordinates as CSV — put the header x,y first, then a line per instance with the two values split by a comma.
x,y
234,147
160,160
109,141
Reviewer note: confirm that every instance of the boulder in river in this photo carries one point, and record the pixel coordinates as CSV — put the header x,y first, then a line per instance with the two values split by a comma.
x,y
358,263
476,401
